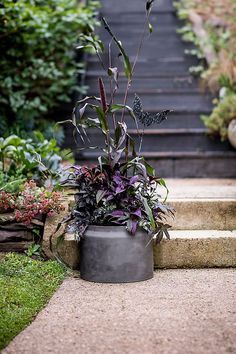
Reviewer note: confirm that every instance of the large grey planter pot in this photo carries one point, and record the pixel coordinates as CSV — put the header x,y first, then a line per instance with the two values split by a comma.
x,y
109,254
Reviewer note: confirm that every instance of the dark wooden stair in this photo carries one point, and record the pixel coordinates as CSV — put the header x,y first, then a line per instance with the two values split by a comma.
x,y
180,147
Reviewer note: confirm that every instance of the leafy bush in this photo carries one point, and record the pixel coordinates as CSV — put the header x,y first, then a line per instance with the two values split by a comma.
x,y
37,67
22,159
221,116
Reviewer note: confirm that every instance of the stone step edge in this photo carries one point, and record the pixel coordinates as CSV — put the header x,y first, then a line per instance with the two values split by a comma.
x,y
187,235
197,249
186,249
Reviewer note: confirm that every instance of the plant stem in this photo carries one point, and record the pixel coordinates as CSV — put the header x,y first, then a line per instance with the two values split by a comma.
x,y
141,142
134,63
101,61
111,88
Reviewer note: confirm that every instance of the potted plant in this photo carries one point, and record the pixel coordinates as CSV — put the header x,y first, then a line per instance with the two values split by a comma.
x,y
117,210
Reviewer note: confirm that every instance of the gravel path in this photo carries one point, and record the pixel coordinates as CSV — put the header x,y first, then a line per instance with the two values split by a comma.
x,y
179,311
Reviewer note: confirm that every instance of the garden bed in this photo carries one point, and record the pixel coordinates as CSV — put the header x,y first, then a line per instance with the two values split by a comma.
x,y
211,27
18,237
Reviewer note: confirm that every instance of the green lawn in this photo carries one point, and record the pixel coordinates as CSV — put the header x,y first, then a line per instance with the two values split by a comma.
x,y
25,287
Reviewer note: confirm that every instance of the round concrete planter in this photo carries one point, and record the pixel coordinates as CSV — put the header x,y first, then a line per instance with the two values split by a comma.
x,y
232,133
109,254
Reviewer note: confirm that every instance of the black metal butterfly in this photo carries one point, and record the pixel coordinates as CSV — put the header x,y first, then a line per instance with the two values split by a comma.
x,y
147,118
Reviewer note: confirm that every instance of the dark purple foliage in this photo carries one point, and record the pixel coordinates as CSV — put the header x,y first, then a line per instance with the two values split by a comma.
x,y
133,179
134,225
117,213
137,213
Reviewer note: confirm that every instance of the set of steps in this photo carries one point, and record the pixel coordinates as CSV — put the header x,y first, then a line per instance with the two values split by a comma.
x,y
204,229
179,147
203,233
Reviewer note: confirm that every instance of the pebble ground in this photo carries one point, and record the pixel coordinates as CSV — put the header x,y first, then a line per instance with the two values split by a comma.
x,y
178,311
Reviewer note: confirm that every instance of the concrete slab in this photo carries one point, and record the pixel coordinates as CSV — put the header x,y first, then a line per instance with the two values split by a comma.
x,y
186,249
201,188
204,213
203,203
196,249
176,312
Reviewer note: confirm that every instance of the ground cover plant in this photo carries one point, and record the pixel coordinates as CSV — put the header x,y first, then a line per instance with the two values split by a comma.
x,y
25,287
38,70
217,19
122,188
30,202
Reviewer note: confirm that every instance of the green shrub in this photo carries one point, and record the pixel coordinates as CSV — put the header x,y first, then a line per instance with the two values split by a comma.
x,y
38,70
221,116
34,158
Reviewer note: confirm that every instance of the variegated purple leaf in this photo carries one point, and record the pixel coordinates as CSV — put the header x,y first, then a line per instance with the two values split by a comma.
x,y
133,180
137,213
119,189
134,225
117,179
117,213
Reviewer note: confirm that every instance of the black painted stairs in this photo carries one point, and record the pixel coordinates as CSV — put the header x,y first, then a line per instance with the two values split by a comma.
x,y
180,146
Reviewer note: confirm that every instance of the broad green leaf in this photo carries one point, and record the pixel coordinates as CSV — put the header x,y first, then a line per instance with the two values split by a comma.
x,y
13,140
102,118
150,170
149,213
118,133
132,146
162,183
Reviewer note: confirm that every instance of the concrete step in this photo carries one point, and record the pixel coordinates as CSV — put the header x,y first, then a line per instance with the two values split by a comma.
x,y
203,204
186,249
203,232
204,213
197,249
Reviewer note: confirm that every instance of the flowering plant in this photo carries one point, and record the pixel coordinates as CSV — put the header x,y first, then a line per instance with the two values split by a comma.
x,y
31,202
122,189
